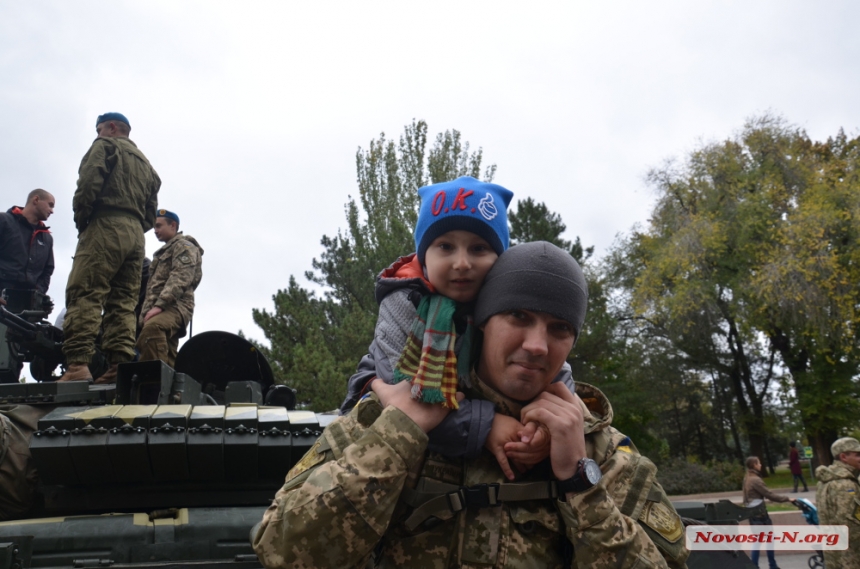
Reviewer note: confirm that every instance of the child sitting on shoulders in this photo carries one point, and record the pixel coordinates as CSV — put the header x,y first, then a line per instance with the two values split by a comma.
x,y
424,328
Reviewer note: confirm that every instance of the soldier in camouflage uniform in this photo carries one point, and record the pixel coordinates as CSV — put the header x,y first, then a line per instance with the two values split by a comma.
x,y
174,274
114,206
368,491
838,499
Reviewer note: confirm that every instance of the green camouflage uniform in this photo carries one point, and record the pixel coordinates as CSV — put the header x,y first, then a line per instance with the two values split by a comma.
x,y
174,274
18,478
838,501
114,206
347,503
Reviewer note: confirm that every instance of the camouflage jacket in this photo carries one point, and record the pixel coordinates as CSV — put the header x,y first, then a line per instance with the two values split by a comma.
x,y
115,177
174,274
838,500
351,502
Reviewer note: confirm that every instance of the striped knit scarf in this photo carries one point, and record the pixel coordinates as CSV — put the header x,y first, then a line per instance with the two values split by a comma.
x,y
429,359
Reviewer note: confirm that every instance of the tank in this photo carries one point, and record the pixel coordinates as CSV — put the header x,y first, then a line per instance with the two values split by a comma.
x,y
166,468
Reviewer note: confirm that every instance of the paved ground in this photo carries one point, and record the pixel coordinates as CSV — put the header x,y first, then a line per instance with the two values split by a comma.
x,y
785,559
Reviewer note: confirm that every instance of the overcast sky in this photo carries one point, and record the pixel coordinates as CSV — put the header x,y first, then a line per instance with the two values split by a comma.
x,y
252,112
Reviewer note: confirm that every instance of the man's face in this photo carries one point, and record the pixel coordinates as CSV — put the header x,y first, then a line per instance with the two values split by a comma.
x,y
851,458
457,263
523,351
44,207
165,229
757,465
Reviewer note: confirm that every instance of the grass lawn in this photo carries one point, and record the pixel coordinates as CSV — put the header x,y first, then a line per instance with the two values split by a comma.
x,y
783,479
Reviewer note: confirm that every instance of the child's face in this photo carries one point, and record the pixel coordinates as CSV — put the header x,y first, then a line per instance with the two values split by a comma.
x,y
457,263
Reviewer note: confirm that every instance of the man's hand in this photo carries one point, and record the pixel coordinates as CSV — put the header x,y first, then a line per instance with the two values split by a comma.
x,y
531,447
558,410
152,312
505,430
425,415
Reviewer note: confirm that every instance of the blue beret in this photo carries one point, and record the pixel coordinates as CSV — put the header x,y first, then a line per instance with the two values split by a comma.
x,y
112,117
168,214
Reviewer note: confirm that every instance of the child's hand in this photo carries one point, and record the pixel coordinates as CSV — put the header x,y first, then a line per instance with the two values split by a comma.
x,y
531,447
505,430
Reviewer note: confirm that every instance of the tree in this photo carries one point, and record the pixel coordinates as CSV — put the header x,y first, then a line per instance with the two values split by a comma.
x,y
749,268
317,341
533,221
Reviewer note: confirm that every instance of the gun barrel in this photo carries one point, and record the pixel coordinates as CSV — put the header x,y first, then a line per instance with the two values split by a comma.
x,y
18,324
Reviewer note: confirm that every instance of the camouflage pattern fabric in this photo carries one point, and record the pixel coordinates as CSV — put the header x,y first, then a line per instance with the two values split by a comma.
x,y
341,506
838,500
105,276
159,337
174,274
115,176
18,477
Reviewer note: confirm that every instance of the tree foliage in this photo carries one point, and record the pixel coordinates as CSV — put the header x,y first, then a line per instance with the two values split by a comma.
x,y
748,269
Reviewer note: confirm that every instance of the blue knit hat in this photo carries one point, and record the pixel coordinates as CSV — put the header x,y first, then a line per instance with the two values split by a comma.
x,y
168,215
466,204
112,117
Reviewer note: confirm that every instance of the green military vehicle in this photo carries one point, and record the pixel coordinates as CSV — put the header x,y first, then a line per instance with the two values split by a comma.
x,y
170,467
166,468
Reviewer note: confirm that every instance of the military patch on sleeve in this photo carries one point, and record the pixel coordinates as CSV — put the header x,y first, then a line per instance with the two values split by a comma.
x,y
857,512
311,459
185,259
662,519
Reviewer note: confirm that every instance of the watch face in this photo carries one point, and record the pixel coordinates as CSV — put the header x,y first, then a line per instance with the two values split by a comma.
x,y
592,472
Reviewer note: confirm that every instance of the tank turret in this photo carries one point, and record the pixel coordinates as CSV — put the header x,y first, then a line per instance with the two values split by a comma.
x,y
167,466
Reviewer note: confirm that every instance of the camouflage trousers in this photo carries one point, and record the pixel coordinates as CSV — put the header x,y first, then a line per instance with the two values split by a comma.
x,y
159,337
18,477
105,278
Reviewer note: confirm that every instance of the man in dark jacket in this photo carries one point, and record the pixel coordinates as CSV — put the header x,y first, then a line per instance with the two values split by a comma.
x,y
114,206
26,245
26,261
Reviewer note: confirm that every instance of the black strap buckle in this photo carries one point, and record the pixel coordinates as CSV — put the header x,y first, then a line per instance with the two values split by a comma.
x,y
481,496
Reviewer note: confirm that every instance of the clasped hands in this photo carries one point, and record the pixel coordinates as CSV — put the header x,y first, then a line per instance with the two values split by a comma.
x,y
550,426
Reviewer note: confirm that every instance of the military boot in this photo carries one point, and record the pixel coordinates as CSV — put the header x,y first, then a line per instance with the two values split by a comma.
x,y
109,376
77,372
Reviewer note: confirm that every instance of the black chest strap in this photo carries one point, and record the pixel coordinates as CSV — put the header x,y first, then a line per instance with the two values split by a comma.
x,y
442,501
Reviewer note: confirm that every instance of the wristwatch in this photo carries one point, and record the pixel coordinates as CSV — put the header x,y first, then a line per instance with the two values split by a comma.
x,y
587,475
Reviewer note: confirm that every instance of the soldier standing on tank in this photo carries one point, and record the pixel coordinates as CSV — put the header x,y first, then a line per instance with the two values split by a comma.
x,y
838,499
114,205
168,306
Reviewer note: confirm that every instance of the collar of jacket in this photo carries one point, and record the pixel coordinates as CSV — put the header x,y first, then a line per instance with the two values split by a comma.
x,y
405,271
167,245
842,470
596,409
18,212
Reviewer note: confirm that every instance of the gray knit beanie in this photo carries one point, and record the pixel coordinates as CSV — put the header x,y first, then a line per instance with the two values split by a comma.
x,y
535,276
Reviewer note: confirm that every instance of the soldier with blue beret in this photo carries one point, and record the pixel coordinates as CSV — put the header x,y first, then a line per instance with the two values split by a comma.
x,y
168,306
114,205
